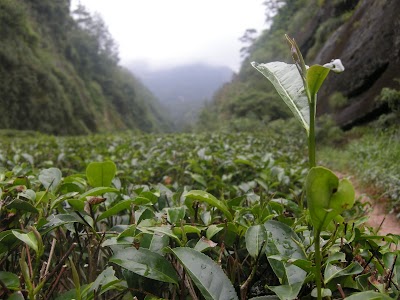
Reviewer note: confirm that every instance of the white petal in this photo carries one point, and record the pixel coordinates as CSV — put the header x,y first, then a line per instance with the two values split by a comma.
x,y
335,65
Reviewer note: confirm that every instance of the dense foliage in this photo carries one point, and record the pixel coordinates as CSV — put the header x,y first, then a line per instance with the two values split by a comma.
x,y
171,212
60,74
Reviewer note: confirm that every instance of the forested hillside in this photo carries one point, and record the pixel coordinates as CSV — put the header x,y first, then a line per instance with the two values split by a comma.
x,y
59,73
364,34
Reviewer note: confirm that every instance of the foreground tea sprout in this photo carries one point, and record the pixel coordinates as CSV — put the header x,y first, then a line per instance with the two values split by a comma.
x,y
327,196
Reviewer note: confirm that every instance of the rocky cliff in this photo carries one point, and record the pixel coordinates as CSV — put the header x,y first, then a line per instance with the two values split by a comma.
x,y
369,47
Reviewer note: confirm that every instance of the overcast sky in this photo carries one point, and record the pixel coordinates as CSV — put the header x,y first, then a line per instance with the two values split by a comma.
x,y
174,32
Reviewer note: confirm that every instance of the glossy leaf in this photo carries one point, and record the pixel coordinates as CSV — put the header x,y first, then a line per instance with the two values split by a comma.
x,y
22,205
213,230
287,292
204,244
210,199
281,242
104,281
255,237
289,85
101,174
206,274
10,280
186,229
28,238
175,215
50,178
369,295
114,210
57,220
324,293
327,197
154,242
316,75
333,271
97,192
146,263
161,230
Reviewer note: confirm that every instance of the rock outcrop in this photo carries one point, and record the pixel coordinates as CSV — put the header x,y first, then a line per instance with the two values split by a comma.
x,y
369,46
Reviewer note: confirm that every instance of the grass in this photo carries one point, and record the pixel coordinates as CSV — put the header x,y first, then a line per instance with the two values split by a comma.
x,y
372,154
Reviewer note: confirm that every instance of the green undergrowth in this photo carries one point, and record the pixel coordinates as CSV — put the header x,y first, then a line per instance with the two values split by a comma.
x,y
185,216
372,155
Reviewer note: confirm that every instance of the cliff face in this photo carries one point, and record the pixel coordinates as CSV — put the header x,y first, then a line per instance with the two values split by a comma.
x,y
368,44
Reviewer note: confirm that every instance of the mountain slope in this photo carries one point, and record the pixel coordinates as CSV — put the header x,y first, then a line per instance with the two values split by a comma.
x,y
60,74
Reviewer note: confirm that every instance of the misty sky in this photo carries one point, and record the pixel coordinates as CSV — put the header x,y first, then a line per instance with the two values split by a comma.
x,y
174,32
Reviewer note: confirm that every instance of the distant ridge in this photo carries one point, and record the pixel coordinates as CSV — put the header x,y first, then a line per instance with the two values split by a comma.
x,y
183,90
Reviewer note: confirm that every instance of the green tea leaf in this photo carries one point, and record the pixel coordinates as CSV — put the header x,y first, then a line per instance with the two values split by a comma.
x,y
146,263
100,174
104,281
154,242
186,229
289,85
204,244
27,238
287,292
327,197
334,271
50,178
22,205
316,75
369,295
97,192
57,220
16,296
206,274
10,280
255,237
112,211
210,199
164,230
281,242
213,230
175,215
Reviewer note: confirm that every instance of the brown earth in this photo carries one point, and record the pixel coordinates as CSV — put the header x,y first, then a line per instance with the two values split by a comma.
x,y
379,216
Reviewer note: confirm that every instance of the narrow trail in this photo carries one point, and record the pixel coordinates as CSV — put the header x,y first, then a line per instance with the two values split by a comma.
x,y
379,211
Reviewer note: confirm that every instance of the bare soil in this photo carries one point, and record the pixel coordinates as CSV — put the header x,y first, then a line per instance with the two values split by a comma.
x,y
379,216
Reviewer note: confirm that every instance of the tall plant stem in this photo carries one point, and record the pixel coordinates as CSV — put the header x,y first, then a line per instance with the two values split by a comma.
x,y
318,261
311,134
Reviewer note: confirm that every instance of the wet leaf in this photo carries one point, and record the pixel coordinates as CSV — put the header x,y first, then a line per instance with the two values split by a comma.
x,y
255,237
210,199
146,263
206,274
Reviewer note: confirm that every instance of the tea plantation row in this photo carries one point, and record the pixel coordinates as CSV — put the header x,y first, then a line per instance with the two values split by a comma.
x,y
212,216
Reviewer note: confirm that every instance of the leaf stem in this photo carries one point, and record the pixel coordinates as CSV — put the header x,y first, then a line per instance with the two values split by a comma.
x,y
318,261
244,287
311,134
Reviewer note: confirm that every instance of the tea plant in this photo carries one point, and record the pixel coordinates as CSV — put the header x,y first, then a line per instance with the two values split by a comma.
x,y
218,216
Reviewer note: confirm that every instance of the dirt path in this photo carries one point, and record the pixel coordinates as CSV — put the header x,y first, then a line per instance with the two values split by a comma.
x,y
378,214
